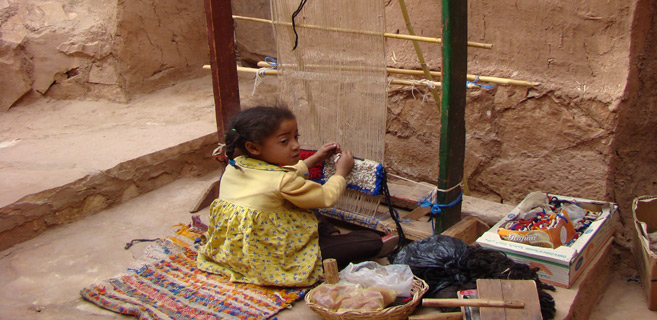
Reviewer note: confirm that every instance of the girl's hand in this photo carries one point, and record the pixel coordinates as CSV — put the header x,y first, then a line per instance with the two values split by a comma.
x,y
322,153
345,164
327,150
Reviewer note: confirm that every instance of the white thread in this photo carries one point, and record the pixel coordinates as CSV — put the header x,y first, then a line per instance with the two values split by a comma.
x,y
218,150
413,89
434,194
427,83
459,185
424,82
258,78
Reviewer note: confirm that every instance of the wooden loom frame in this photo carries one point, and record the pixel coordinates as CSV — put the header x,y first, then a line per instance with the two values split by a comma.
x,y
452,105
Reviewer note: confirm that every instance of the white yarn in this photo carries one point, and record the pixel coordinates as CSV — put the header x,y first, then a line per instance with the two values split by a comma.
x,y
258,78
363,174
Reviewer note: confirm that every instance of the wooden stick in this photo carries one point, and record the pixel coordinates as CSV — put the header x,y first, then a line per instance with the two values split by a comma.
x,y
438,316
385,34
470,77
471,303
331,275
273,72
424,82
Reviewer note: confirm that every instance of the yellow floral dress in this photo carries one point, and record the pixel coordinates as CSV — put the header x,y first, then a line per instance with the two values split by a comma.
x,y
260,230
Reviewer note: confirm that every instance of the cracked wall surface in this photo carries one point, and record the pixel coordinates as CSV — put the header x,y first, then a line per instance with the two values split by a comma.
x,y
585,131
109,50
634,149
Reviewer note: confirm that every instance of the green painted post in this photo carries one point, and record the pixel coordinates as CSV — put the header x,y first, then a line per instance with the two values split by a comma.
x,y
452,131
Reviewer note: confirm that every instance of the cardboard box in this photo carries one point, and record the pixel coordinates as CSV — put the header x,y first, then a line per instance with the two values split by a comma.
x,y
644,209
560,266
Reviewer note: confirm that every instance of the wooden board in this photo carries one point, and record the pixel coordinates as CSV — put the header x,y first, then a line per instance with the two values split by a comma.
x,y
468,229
521,290
405,193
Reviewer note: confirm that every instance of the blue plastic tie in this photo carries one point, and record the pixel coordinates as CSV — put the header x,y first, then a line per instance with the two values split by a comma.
x,y
475,83
437,209
272,62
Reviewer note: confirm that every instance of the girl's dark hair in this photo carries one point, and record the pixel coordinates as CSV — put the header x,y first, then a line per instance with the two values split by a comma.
x,y
254,124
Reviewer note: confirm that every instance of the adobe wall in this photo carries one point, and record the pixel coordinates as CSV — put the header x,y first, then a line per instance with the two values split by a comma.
x,y
585,131
97,49
554,137
579,133
634,148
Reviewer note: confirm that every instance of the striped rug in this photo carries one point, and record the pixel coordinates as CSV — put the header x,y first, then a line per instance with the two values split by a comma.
x,y
167,285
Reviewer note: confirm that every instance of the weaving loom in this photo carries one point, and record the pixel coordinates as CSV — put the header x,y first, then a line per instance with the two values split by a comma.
x,y
366,188
335,83
332,73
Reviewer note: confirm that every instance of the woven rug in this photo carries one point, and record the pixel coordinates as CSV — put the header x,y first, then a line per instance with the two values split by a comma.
x,y
165,284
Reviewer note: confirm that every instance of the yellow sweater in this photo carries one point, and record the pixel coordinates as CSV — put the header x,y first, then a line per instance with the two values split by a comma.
x,y
260,230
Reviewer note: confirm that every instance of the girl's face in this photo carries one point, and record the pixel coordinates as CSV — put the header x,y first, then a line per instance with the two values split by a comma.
x,y
281,147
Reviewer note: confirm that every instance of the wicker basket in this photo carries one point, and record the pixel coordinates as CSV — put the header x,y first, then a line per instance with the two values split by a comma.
x,y
397,312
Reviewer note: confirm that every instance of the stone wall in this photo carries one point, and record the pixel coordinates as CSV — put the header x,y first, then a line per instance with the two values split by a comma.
x,y
554,137
71,49
581,132
634,148
585,131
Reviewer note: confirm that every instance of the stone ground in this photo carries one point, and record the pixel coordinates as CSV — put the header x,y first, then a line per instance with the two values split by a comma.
x,y
49,143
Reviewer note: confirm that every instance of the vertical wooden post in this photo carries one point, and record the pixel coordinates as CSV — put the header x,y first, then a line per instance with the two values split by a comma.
x,y
219,16
452,131
225,87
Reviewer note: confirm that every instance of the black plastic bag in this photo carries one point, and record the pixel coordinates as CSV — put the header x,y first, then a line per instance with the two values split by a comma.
x,y
448,265
439,260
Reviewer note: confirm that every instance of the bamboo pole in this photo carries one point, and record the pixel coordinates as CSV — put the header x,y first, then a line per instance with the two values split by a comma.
x,y
420,56
274,72
470,77
400,71
385,34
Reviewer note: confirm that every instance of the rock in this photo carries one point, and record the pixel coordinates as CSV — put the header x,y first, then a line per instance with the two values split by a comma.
x,y
93,44
104,72
14,80
53,13
254,41
48,61
13,32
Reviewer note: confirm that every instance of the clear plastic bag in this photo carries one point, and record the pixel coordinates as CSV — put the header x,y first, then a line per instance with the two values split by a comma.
x,y
350,297
398,277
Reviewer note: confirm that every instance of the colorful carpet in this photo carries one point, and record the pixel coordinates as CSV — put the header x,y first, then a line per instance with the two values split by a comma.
x,y
167,285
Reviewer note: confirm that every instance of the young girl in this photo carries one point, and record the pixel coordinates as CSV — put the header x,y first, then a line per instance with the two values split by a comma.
x,y
260,229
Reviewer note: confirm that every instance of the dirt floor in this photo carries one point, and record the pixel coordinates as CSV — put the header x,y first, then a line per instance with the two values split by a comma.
x,y
50,143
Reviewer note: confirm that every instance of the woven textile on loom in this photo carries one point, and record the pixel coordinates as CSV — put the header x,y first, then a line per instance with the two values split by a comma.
x,y
335,79
360,203
167,285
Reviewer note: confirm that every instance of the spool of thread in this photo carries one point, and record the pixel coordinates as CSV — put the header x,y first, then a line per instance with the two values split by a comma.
x,y
331,271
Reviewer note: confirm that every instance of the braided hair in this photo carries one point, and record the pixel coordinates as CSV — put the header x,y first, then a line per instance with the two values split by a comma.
x,y
253,124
